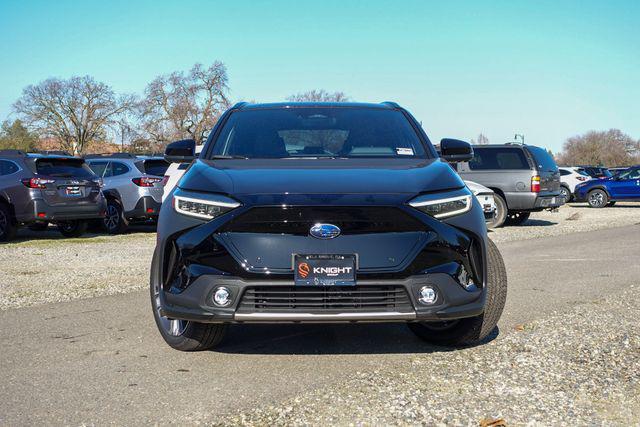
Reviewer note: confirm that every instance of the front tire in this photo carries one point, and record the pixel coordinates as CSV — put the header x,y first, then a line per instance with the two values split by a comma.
x,y
180,334
597,198
75,228
8,227
472,330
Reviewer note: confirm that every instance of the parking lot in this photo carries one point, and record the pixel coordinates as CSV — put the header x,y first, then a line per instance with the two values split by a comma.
x,y
571,312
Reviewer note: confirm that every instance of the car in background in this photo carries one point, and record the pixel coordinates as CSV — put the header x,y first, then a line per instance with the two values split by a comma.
x,y
485,197
177,169
132,186
38,189
569,178
524,178
597,171
607,191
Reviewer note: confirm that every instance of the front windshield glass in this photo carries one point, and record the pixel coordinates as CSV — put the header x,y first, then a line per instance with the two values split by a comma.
x,y
318,132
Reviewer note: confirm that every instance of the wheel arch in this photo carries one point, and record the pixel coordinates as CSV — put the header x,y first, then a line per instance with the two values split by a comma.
x,y
600,187
500,193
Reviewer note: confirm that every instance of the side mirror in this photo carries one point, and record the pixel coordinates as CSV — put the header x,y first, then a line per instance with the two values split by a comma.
x,y
183,151
454,150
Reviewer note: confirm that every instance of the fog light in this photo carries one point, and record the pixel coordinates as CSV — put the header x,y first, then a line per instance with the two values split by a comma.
x,y
222,296
427,295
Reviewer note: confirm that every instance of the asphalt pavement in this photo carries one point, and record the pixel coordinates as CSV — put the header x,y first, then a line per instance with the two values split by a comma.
x,y
101,360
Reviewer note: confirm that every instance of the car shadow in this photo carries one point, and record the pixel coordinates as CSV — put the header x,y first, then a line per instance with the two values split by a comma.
x,y
537,223
328,339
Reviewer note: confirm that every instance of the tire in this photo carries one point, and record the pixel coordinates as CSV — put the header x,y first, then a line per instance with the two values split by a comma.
x,y
611,204
517,218
8,227
472,330
75,228
115,222
566,193
501,212
179,334
597,198
39,226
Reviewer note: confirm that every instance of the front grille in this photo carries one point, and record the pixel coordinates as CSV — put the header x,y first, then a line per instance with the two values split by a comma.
x,y
297,220
324,299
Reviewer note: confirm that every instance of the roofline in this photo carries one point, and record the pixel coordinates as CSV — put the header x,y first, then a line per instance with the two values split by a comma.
x,y
311,104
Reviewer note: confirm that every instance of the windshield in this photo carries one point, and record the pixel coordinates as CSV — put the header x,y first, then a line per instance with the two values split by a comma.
x,y
65,168
318,132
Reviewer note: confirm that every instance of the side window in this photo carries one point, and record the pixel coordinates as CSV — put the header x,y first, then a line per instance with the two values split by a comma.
x,y
631,174
118,168
98,167
7,167
564,172
498,158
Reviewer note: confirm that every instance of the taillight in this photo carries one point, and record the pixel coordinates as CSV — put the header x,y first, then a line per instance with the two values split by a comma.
x,y
37,182
165,180
145,181
535,184
581,178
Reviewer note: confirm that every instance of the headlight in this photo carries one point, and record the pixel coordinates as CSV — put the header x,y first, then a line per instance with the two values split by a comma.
x,y
444,207
204,208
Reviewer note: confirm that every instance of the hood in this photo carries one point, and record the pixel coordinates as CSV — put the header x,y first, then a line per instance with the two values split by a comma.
x,y
320,176
477,188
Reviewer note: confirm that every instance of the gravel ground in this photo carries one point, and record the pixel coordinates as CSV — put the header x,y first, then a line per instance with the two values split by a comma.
x,y
569,369
571,218
44,267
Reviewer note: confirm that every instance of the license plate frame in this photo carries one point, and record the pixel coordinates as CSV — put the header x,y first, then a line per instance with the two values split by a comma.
x,y
325,269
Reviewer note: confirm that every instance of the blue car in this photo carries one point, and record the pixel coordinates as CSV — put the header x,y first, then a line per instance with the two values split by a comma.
x,y
599,193
321,212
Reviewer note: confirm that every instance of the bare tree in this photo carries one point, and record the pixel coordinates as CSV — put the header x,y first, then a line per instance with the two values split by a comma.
x,y
320,95
481,140
76,112
184,105
610,148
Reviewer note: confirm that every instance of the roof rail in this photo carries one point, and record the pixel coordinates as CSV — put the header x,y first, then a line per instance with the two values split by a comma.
x,y
12,153
111,156
391,104
239,105
53,152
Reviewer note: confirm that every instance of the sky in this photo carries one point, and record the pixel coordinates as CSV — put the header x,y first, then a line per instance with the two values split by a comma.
x,y
546,69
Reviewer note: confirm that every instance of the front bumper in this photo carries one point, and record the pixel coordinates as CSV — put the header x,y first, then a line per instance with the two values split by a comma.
x,y
196,302
39,210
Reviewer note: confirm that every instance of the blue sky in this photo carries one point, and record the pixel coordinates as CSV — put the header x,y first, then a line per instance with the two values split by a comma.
x,y
548,69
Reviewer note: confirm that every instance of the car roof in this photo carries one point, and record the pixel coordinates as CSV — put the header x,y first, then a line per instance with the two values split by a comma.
x,y
272,105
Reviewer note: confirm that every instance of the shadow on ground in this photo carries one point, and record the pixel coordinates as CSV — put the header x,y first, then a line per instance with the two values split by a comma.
x,y
52,234
321,339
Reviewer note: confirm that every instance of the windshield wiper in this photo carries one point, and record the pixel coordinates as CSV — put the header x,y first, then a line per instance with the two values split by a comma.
x,y
223,157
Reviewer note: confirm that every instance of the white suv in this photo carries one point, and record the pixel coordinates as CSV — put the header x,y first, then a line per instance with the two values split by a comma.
x,y
569,178
174,173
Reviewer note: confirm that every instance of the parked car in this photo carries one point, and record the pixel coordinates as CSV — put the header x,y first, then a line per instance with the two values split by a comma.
x,y
597,171
38,189
132,186
176,169
360,222
485,197
524,178
607,191
569,178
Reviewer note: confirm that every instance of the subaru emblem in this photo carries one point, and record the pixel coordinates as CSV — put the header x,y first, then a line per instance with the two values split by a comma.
x,y
324,231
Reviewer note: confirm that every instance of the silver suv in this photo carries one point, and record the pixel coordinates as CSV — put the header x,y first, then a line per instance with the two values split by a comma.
x,y
132,186
525,179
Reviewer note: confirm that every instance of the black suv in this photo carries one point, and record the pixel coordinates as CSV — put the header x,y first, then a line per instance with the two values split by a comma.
x,y
38,189
323,212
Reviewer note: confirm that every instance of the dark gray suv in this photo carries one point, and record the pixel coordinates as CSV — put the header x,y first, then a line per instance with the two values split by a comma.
x,y
38,189
525,179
